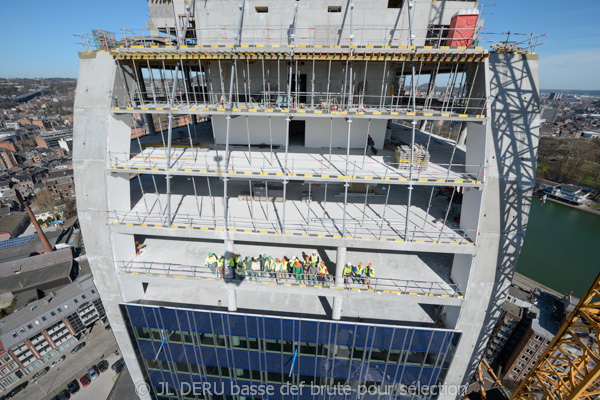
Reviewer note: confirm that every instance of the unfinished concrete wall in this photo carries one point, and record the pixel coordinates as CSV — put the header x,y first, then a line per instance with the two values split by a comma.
x,y
318,22
92,123
512,133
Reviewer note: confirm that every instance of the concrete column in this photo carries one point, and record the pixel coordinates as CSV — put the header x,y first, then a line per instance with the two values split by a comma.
x,y
231,300
337,308
340,261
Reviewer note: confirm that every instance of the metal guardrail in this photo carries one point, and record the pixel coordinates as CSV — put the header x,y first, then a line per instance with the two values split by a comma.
x,y
435,37
388,172
391,229
448,106
426,288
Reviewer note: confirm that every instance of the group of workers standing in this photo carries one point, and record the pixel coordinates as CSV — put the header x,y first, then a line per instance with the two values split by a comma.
x,y
309,270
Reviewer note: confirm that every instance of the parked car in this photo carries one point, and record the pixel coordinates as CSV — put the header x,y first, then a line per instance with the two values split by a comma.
x,y
116,363
64,395
102,366
16,390
57,361
41,373
78,347
93,372
73,386
119,368
85,380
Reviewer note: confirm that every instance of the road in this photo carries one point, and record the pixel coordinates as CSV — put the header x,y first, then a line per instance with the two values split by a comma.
x,y
98,344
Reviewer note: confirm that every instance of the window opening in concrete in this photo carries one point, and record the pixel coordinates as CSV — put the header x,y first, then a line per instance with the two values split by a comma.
x,y
334,9
395,3
262,9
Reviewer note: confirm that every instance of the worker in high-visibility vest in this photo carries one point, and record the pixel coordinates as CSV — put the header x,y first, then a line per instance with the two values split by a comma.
x,y
298,270
323,272
211,262
220,269
240,269
270,267
306,265
359,271
277,267
314,258
369,273
348,273
255,268
284,267
233,261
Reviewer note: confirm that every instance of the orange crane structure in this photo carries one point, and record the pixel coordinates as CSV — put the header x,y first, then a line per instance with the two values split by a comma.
x,y
569,369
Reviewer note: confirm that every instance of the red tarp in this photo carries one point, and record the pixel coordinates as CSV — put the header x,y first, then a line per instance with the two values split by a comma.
x,y
462,30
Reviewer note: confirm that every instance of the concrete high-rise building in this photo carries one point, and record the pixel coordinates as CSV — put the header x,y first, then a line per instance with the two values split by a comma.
x,y
324,136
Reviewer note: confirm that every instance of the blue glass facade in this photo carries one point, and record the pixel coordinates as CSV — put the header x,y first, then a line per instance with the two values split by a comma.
x,y
254,356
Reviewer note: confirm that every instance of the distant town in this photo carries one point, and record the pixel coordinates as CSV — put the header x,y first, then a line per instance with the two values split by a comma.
x,y
568,168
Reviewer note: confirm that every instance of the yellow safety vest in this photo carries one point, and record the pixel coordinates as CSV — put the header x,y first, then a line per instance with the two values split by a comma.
x,y
255,266
322,269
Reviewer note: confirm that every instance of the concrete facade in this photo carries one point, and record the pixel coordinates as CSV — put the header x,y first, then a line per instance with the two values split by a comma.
x,y
155,259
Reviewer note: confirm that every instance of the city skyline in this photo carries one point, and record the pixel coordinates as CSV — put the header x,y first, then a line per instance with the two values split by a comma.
x,y
570,35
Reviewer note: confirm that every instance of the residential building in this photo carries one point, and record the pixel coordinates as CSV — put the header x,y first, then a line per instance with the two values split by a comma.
x,y
45,328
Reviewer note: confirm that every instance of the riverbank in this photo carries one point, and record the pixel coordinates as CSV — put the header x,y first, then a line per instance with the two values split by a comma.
x,y
585,208
527,284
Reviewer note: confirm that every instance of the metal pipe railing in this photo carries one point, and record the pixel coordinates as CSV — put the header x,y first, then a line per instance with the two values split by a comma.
x,y
428,288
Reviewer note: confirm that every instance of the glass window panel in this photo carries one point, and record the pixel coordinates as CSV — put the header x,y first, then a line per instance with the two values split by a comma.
x,y
242,374
415,358
274,377
343,352
346,334
288,347
206,339
142,332
174,336
164,365
212,370
225,372
184,324
253,343
255,375
307,348
220,340
136,315
202,322
273,345
152,365
237,325
182,367
194,369
187,338
156,335
168,317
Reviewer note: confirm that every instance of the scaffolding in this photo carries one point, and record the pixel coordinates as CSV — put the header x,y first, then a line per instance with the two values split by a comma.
x,y
348,82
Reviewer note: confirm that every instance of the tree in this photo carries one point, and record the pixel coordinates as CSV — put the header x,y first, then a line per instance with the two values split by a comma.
x,y
44,200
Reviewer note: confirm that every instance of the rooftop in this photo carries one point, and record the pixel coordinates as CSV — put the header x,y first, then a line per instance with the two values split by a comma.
x,y
42,314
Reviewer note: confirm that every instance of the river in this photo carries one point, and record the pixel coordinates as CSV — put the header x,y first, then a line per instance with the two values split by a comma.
x,y
562,247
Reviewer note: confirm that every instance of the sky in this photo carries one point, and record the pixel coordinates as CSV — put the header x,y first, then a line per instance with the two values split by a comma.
x,y
37,36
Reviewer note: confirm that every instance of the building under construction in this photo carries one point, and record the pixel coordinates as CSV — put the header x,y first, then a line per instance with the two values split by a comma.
x,y
323,135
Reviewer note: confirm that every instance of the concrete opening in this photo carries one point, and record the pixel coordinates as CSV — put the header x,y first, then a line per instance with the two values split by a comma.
x,y
297,132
